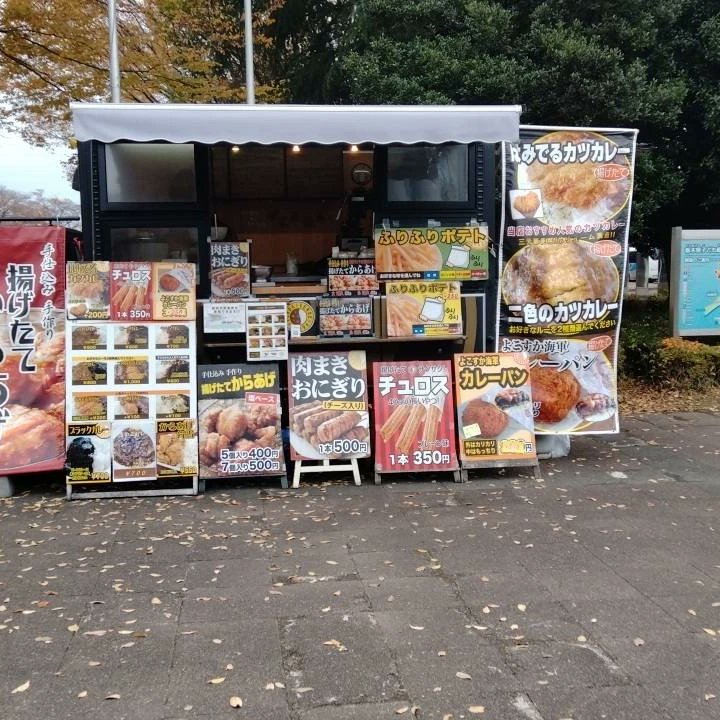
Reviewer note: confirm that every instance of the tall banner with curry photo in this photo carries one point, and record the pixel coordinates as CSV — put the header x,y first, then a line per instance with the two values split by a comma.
x,y
563,250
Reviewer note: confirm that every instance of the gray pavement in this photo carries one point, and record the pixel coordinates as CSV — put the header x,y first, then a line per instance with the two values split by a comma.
x,y
592,593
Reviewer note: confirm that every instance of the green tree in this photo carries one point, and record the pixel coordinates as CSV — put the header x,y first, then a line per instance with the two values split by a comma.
x,y
620,63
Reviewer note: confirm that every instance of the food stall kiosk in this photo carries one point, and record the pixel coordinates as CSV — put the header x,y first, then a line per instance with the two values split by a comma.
x,y
336,207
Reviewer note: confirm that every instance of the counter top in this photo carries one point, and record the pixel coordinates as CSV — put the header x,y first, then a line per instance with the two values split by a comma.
x,y
293,289
307,340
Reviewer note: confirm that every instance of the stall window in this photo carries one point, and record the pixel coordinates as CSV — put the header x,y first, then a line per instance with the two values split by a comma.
x,y
154,243
427,177
150,173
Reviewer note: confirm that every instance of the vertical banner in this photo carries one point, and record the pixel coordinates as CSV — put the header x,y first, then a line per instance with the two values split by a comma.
x,y
568,193
494,409
32,341
239,414
328,405
414,416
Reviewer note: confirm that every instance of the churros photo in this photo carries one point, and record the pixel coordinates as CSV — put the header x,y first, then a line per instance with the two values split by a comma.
x,y
414,419
130,291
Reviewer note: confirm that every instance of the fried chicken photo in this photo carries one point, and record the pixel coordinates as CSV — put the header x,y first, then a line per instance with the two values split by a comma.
x,y
234,425
527,204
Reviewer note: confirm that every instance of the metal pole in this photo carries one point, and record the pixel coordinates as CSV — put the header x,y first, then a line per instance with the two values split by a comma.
x,y
249,70
114,61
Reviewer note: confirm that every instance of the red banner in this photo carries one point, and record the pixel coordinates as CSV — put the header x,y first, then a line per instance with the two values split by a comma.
x,y
414,416
32,349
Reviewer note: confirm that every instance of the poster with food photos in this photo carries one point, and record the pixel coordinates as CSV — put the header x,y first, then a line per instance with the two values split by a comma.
x,y
494,409
229,271
239,415
267,331
432,253
130,403
562,266
350,316
423,308
352,276
414,416
328,405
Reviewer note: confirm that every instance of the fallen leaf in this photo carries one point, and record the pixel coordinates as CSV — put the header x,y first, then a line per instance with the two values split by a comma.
x,y
463,675
521,607
336,644
73,628
270,686
113,696
417,627
638,642
581,638
236,701
156,601
710,631
477,709
709,696
95,633
442,653
21,688
302,690
82,694
402,710
216,681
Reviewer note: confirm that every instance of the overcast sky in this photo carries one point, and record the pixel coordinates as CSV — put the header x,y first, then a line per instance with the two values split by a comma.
x,y
26,168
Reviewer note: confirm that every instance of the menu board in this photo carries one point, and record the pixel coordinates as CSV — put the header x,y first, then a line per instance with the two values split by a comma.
x,y
130,405
328,405
414,416
352,276
130,291
433,253
229,271
423,308
32,341
562,264
696,282
239,414
346,316
266,327
494,409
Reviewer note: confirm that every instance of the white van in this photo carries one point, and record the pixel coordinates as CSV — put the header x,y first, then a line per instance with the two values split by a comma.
x,y
652,267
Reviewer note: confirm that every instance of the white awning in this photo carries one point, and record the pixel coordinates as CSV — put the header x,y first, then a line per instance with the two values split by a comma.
x,y
295,124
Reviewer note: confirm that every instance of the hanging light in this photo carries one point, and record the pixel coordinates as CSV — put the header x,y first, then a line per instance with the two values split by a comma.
x,y
353,148
235,149
296,148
